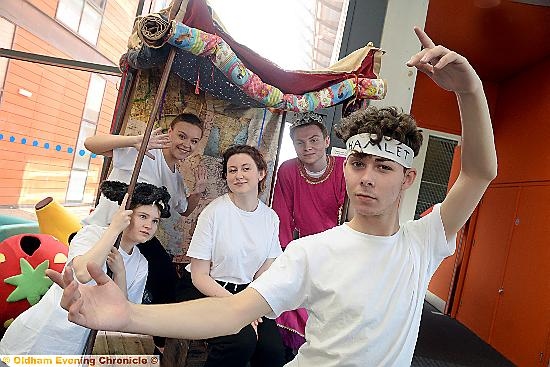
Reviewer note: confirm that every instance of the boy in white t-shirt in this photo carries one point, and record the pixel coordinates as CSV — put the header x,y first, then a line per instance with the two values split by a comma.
x,y
159,168
363,283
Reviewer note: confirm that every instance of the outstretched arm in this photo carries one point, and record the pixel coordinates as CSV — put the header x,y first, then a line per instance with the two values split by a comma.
x,y
103,307
104,144
453,72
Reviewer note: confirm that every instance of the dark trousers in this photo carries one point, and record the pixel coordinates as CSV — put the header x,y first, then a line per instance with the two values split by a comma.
x,y
161,278
264,350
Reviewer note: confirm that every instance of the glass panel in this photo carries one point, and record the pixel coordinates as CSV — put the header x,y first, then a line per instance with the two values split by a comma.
x,y
68,12
159,5
77,182
146,7
94,98
90,24
100,4
6,39
82,156
7,29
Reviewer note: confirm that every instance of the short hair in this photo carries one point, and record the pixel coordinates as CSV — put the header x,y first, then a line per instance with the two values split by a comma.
x,y
144,194
256,156
387,121
190,118
315,123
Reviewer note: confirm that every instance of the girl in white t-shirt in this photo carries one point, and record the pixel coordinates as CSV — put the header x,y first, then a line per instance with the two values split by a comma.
x,y
44,328
236,240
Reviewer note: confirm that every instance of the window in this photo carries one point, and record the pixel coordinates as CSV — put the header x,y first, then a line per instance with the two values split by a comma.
x,y
82,17
7,30
90,117
154,6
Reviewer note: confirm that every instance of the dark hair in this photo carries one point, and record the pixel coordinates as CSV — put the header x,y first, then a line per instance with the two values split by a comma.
x,y
320,125
387,121
144,194
253,153
189,118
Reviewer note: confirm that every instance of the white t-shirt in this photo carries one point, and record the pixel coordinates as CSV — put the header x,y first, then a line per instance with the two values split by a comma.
x,y
236,242
44,328
364,294
156,172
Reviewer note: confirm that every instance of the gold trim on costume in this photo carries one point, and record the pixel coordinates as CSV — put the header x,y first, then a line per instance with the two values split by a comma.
x,y
323,177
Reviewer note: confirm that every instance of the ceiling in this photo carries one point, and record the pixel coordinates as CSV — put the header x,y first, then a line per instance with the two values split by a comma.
x,y
499,37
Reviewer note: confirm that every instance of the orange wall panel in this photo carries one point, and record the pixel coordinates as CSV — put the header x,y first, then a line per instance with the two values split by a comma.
x,y
440,284
436,109
46,6
53,114
522,129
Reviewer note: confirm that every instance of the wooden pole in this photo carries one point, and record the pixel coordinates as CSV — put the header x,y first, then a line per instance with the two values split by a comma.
x,y
88,348
275,167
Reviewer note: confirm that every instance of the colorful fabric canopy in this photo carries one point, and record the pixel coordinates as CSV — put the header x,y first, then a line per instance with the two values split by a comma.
x,y
209,61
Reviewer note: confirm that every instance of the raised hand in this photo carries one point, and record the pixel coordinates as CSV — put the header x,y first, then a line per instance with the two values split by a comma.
x,y
101,307
157,140
446,68
201,180
121,218
115,262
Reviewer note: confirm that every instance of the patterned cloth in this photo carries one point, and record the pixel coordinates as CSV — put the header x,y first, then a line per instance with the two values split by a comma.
x,y
214,47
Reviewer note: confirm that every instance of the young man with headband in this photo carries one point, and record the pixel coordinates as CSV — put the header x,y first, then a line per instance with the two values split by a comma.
x,y
364,282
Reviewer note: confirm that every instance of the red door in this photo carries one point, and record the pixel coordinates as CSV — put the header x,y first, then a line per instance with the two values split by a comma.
x,y
522,319
487,260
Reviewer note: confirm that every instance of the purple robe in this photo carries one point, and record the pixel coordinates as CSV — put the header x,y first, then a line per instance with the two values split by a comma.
x,y
305,206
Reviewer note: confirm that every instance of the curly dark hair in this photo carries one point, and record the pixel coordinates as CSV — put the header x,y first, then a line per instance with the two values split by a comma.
x,y
256,156
144,194
387,121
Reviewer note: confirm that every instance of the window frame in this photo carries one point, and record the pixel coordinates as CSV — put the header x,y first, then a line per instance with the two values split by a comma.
x,y
76,165
94,6
7,60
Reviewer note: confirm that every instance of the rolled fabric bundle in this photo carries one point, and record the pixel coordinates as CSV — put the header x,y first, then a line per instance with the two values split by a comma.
x,y
153,29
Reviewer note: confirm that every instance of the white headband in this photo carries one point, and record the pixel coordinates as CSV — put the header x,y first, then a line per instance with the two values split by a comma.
x,y
387,148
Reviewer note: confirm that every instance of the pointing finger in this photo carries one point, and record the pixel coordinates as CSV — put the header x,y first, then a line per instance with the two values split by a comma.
x,y
56,277
425,41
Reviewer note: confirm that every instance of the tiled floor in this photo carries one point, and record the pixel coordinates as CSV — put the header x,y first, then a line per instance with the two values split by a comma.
x,y
444,342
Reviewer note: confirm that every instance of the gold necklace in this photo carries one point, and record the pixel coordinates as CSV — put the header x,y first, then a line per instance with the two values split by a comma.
x,y
320,179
